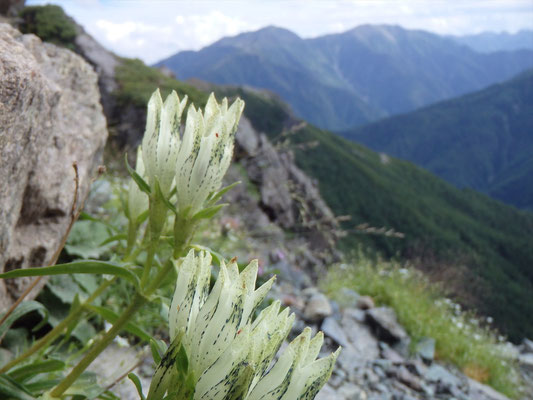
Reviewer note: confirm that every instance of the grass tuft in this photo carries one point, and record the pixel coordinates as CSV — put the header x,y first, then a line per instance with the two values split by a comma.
x,y
424,311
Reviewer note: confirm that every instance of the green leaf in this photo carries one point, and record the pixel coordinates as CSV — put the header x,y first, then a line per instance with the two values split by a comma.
x,y
182,361
111,316
87,217
161,196
30,370
141,218
143,186
217,196
76,267
208,212
137,382
114,238
42,385
158,348
9,389
87,239
23,308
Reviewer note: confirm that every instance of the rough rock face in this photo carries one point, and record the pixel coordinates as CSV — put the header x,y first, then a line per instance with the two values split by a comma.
x,y
104,63
50,117
287,196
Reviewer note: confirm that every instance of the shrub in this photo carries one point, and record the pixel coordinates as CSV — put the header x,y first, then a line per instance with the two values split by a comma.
x,y
50,23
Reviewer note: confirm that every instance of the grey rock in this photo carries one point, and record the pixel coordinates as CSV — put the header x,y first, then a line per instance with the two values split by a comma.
x,y
331,328
327,393
416,367
347,298
247,138
350,391
526,361
390,354
50,117
438,374
383,322
365,303
317,308
404,376
338,377
425,348
364,345
479,391
356,314
527,345
350,361
289,197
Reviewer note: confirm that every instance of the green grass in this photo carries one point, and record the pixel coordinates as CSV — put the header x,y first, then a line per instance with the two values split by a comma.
x,y
424,312
138,81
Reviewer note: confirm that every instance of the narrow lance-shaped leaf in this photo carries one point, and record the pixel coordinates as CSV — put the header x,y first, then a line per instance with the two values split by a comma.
x,y
143,186
75,267
111,317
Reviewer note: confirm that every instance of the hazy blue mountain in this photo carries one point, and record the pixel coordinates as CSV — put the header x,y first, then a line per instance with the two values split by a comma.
x,y
343,80
482,140
278,60
487,42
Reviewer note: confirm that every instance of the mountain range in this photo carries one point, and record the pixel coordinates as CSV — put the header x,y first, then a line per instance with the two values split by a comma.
x,y
487,42
344,80
482,140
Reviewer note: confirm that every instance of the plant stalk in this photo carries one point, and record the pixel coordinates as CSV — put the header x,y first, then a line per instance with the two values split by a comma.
x,y
55,332
138,301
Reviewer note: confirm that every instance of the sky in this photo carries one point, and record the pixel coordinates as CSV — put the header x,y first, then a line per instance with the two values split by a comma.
x,y
155,29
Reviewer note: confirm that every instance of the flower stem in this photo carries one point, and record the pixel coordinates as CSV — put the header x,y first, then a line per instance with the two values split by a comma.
x,y
74,315
138,301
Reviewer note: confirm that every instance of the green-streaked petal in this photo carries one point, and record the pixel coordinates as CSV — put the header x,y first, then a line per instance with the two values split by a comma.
x,y
314,348
222,375
223,326
149,143
306,382
165,371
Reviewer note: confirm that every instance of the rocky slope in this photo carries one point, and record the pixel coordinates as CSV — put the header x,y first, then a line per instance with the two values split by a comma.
x,y
50,117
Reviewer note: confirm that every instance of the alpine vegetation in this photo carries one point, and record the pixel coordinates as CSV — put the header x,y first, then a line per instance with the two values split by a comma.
x,y
220,351
221,346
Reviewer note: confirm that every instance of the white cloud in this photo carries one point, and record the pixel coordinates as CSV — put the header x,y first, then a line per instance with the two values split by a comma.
x,y
155,29
207,28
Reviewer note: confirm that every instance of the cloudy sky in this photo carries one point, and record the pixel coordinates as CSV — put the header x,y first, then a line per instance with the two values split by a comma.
x,y
154,29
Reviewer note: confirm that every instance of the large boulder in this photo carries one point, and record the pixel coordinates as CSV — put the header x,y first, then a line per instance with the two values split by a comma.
x,y
50,117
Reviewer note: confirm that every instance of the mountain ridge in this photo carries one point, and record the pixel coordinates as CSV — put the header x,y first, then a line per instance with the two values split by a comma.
x,y
339,81
493,124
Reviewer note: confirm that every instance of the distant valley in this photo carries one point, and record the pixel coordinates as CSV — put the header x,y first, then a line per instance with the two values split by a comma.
x,y
482,140
344,80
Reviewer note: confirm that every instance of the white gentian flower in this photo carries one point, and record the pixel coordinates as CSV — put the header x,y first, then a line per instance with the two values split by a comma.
x,y
228,351
137,200
206,150
198,161
161,141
